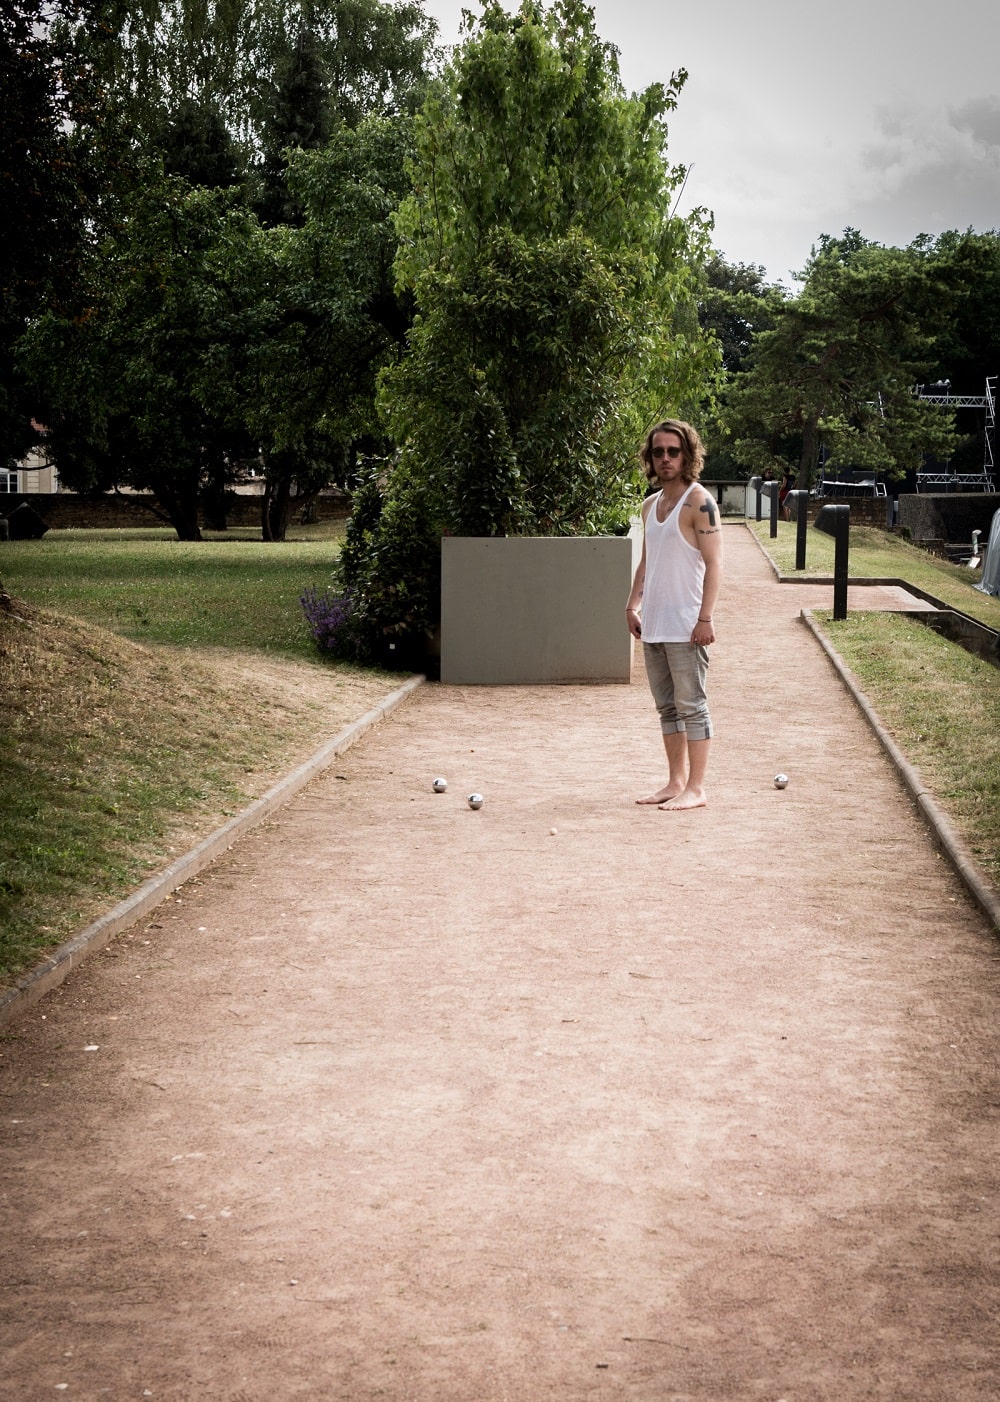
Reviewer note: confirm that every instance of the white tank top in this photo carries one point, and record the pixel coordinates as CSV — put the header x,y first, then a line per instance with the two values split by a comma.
x,y
675,577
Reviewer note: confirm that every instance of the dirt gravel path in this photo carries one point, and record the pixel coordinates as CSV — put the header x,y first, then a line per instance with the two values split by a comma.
x,y
562,1099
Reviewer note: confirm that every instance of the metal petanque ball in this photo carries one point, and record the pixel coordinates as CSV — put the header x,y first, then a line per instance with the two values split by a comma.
x,y
781,781
440,785
475,800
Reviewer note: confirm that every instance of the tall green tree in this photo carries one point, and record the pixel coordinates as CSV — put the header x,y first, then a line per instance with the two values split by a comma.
x,y
301,119
235,55
838,368
377,56
188,341
735,304
48,185
336,319
194,142
175,299
967,352
530,143
554,295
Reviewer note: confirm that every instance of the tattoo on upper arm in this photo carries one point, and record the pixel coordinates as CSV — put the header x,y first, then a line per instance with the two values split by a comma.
x,y
709,507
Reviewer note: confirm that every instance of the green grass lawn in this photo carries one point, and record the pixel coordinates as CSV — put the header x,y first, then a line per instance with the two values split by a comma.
x,y
228,590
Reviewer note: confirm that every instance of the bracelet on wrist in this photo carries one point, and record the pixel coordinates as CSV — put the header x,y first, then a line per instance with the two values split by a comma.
x,y
704,620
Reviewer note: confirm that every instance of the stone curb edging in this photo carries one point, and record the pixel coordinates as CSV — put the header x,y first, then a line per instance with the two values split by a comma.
x,y
982,892
51,971
766,554
984,895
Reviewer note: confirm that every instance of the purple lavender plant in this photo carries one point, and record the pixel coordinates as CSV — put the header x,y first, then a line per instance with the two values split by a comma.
x,y
328,615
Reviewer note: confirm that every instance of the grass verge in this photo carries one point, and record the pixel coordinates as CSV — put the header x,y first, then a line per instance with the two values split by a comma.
x,y
940,704
119,754
875,554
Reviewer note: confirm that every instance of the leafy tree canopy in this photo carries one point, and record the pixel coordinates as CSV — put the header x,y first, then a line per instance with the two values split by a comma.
x,y
967,351
841,362
555,302
736,303
530,139
968,348
235,55
266,347
48,184
133,380
336,318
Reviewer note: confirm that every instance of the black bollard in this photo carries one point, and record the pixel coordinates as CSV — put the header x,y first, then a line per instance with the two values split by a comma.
x,y
841,533
774,511
800,510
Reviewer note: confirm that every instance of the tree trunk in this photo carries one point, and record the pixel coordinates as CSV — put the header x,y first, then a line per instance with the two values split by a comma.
x,y
186,526
181,510
809,455
275,509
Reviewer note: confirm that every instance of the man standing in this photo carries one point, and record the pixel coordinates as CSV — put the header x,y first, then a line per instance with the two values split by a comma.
x,y
670,607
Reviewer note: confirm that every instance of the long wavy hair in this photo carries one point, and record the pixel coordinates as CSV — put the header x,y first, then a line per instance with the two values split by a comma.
x,y
693,454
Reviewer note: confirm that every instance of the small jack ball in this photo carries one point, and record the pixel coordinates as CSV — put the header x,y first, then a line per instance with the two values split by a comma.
x,y
475,800
440,785
781,781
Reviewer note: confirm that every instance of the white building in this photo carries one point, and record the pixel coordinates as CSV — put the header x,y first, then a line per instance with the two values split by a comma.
x,y
34,473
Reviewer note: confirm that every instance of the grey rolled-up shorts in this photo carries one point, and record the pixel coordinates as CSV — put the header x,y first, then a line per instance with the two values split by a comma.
x,y
677,674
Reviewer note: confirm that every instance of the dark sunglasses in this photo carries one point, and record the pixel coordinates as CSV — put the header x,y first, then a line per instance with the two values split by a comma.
x,y
667,452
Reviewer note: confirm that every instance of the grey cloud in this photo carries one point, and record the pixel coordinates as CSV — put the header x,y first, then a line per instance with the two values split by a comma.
x,y
930,196
980,118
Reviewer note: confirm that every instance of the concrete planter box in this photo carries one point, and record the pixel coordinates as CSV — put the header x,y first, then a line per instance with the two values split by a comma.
x,y
531,610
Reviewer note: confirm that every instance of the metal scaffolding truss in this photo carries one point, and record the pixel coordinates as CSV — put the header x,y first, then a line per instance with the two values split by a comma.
x,y
960,401
940,393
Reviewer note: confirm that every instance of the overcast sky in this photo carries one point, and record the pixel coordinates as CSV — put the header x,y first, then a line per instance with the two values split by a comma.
x,y
798,119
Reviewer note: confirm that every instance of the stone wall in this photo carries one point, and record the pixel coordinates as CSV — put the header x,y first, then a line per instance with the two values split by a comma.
x,y
61,510
865,511
950,517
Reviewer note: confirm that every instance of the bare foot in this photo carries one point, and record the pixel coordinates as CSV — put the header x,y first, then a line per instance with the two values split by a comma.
x,y
661,795
690,798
